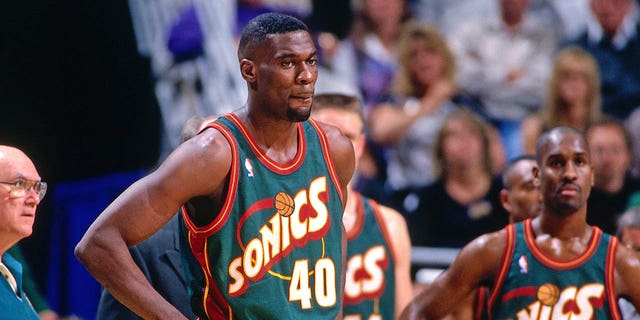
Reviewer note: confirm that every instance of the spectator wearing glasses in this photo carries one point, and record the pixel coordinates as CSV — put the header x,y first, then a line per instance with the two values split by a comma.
x,y
20,194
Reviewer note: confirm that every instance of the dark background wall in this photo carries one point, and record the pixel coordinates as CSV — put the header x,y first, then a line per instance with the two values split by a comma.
x,y
74,92
75,95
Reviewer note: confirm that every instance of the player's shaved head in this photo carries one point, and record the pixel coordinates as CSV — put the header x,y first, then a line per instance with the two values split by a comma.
x,y
260,27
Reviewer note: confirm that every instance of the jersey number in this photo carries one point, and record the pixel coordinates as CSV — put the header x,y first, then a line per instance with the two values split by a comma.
x,y
324,285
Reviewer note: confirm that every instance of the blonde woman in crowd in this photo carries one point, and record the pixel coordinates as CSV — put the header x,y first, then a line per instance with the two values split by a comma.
x,y
573,96
407,124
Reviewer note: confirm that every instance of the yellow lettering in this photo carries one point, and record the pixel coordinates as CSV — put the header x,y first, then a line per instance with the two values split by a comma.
x,y
238,279
252,258
587,292
271,239
533,315
352,288
317,187
299,228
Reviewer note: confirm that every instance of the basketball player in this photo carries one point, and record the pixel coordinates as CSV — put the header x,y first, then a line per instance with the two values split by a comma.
x,y
520,194
247,255
378,280
553,266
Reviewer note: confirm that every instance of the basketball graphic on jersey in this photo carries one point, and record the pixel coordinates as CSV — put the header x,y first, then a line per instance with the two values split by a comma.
x,y
548,294
284,204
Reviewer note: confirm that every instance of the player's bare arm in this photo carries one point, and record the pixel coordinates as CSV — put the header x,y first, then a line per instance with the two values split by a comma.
x,y
477,264
627,275
401,246
198,167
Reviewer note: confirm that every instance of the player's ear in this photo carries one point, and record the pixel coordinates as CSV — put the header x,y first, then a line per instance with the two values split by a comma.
x,y
504,200
248,70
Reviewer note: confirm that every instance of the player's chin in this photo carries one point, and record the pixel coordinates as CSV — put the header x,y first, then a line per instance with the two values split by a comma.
x,y
298,114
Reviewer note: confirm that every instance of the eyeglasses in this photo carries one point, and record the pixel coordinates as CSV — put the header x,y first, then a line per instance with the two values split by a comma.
x,y
22,186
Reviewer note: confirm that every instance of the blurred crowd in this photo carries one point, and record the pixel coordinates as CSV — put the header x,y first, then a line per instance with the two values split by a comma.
x,y
451,90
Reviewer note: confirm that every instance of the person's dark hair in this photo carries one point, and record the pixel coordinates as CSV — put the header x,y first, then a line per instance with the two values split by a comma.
x,y
544,139
258,28
512,163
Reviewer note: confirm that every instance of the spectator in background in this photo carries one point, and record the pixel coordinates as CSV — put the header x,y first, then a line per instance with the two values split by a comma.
x,y
421,99
504,60
629,235
21,191
633,127
191,46
378,240
368,56
465,200
572,99
612,38
613,185
367,61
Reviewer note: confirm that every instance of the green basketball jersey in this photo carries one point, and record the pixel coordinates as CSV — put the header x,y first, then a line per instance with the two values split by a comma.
x,y
369,292
274,250
532,285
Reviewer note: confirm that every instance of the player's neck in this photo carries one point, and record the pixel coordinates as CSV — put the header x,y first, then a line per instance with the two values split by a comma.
x,y
563,227
277,139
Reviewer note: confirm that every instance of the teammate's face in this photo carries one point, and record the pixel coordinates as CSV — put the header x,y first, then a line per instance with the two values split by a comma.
x,y
16,213
566,175
349,124
523,198
286,75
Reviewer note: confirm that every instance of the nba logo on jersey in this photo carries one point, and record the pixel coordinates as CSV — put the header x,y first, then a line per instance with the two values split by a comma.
x,y
249,167
522,262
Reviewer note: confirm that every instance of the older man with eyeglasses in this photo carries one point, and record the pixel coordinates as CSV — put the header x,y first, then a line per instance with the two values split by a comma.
x,y
21,191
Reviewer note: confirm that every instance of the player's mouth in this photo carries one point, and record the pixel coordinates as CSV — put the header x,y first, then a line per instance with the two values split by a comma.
x,y
569,190
303,98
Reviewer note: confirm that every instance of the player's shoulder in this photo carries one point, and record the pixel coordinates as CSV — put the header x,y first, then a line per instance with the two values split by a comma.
x,y
627,258
340,149
209,148
490,245
391,217
331,131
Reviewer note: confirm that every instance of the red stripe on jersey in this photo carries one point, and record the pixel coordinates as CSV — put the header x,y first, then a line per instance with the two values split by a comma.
x,y
504,266
610,265
519,292
264,158
225,211
328,159
383,227
551,262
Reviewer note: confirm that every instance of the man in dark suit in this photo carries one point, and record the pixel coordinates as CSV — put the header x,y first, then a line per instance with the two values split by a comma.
x,y
159,259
